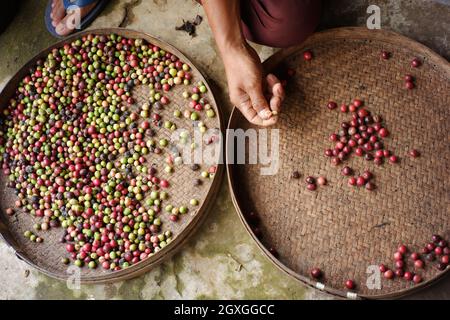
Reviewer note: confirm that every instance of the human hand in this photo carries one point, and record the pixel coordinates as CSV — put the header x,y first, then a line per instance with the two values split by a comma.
x,y
254,95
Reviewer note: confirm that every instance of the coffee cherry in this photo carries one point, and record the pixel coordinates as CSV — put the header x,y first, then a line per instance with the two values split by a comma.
x,y
307,55
414,256
316,273
332,105
417,279
408,275
409,85
418,264
389,274
402,249
350,284
415,63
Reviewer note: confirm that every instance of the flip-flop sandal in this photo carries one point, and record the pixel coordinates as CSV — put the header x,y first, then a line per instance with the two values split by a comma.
x,y
79,3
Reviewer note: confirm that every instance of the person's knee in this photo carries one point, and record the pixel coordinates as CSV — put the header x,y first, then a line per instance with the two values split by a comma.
x,y
284,23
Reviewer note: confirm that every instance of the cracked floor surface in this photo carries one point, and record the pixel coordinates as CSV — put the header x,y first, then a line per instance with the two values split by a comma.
x,y
220,261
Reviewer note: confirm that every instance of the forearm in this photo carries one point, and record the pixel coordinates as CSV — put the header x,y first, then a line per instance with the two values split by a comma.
x,y
225,21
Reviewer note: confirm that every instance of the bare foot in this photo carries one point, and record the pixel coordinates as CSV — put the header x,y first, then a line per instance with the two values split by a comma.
x,y
58,12
66,22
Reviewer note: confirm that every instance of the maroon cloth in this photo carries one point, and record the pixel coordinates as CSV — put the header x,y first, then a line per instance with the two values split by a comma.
x,y
279,23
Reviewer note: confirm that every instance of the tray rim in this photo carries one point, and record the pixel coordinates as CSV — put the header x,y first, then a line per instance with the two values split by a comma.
x,y
187,232
341,33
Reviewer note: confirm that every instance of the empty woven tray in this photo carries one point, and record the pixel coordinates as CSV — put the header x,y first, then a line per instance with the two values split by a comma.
x,y
345,231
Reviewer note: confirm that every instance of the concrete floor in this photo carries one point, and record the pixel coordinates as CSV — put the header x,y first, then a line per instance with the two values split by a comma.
x,y
208,266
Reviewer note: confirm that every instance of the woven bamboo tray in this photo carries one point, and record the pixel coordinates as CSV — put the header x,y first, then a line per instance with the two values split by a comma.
x,y
338,228
46,256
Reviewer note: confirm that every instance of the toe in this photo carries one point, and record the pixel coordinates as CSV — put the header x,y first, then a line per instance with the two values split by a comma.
x,y
58,12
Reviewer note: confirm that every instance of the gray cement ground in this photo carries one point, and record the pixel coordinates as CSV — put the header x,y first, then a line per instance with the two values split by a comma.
x,y
208,267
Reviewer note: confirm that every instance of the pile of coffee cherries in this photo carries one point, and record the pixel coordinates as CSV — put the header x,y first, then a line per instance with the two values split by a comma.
x,y
436,251
363,136
79,155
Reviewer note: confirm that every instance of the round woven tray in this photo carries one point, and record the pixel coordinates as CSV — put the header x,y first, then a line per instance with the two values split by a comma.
x,y
46,256
338,228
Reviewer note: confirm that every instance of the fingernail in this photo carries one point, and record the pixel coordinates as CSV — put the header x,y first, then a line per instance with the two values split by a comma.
x,y
265,114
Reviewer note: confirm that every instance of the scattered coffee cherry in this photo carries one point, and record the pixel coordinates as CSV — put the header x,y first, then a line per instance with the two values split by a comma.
x,y
360,181
409,78
383,132
442,243
414,256
333,137
441,266
445,259
359,152
367,175
398,256
389,274
408,276
307,55
385,55
332,105
357,103
335,161
295,175
419,264
402,249
362,113
344,108
415,63
316,273
399,273
399,264
378,161
352,181
310,180
414,153
352,108
430,257
346,171
382,268
409,85
370,186
417,279
436,238
350,284
393,159
10,211
311,186
322,181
